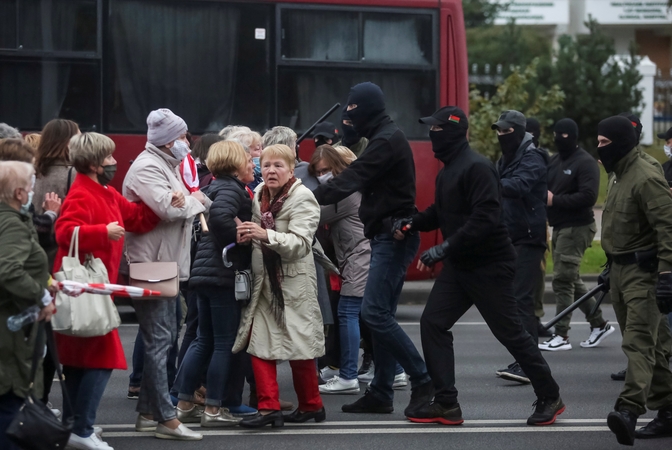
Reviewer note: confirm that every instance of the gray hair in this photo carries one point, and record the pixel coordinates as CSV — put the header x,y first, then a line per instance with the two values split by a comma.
x,y
9,132
280,135
14,175
230,129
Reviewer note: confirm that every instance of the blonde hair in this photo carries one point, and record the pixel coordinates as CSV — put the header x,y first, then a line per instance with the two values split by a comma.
x,y
14,175
278,151
33,139
89,149
280,135
230,129
226,158
346,153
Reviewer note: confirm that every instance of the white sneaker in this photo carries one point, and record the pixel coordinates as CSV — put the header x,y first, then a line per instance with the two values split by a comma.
x,y
98,431
55,411
328,372
400,381
368,375
338,385
92,442
597,335
555,344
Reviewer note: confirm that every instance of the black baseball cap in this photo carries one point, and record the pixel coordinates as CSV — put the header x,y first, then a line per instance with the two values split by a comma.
x,y
666,135
447,115
508,119
326,129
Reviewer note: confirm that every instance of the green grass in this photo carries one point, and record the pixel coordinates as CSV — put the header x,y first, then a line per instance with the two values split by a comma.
x,y
592,261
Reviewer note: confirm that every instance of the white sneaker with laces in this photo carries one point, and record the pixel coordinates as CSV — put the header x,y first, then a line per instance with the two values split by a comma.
x,y
556,344
92,442
597,335
329,372
55,411
338,385
400,381
367,376
98,431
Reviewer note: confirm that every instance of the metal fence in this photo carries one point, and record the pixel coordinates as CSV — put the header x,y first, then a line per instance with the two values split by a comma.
x,y
662,104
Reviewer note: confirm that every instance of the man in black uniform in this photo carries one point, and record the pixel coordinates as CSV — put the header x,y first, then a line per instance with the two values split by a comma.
x,y
479,267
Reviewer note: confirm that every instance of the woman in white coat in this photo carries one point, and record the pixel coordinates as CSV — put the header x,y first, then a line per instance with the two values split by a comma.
x,y
283,320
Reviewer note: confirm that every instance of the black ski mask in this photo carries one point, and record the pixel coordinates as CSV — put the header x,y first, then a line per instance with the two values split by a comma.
x,y
350,136
510,142
566,146
370,102
621,133
448,141
534,128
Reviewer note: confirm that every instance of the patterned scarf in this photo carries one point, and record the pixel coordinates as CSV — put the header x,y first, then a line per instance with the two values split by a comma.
x,y
272,261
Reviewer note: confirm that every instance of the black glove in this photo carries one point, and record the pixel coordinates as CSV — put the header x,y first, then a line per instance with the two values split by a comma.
x,y
400,224
434,254
664,292
603,279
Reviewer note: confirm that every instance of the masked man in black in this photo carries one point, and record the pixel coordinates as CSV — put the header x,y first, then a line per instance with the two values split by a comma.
x,y
351,138
478,269
385,175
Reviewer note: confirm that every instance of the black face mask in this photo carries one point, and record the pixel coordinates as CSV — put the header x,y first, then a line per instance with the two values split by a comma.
x,y
370,103
108,174
321,140
566,146
509,143
447,141
612,153
620,132
350,136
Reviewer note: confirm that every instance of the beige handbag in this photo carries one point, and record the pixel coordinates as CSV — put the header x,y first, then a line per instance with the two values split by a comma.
x,y
156,276
88,314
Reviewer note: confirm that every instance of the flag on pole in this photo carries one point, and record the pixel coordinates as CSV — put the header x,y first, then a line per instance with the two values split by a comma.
x,y
75,289
189,173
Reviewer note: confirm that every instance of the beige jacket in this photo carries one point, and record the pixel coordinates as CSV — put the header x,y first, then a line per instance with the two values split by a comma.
x,y
152,179
303,335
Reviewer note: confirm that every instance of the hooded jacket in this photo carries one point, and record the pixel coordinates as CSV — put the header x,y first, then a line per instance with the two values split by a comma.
x,y
384,173
524,192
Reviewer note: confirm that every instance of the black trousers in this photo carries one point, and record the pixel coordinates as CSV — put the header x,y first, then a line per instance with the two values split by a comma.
x,y
490,288
525,285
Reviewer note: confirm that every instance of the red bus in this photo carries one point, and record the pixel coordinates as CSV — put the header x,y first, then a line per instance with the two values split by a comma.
x,y
106,63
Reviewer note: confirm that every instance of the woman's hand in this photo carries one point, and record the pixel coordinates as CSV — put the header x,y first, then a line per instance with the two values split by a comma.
x,y
51,202
248,231
177,201
198,195
114,231
46,313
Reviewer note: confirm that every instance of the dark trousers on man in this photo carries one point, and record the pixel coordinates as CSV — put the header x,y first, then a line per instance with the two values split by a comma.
x,y
490,288
525,284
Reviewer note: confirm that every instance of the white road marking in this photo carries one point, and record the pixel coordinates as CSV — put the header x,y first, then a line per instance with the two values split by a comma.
x,y
418,324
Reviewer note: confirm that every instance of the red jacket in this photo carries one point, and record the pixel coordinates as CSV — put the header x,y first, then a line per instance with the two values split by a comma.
x,y
91,207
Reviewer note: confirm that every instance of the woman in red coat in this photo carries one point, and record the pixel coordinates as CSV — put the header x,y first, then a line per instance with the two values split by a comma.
x,y
102,215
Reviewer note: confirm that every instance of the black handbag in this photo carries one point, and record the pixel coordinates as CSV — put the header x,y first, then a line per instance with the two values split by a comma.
x,y
35,427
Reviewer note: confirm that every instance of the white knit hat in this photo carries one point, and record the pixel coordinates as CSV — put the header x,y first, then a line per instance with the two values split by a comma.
x,y
164,127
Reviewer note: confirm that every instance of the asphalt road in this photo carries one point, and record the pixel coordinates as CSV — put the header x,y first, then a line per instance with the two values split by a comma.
x,y
494,410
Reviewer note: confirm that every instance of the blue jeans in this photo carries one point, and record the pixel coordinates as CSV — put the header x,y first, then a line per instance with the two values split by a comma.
x,y
348,325
390,259
85,388
135,378
9,408
218,319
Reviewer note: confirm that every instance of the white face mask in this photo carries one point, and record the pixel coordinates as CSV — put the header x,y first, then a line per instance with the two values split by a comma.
x,y
325,178
668,151
180,150
25,208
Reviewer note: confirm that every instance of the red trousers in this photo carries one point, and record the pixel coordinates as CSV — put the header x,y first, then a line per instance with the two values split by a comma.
x,y
304,375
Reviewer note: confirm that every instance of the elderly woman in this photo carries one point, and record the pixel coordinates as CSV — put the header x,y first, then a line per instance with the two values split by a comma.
x,y
353,252
252,142
102,215
218,309
24,277
154,179
283,320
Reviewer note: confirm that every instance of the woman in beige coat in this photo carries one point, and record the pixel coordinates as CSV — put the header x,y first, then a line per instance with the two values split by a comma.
x,y
283,320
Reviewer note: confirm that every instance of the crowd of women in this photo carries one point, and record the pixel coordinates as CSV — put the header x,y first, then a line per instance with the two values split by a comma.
x,y
257,204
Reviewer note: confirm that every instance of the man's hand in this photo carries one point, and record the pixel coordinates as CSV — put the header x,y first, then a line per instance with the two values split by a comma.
x,y
549,201
434,254
603,279
46,313
400,227
51,202
177,200
664,292
114,231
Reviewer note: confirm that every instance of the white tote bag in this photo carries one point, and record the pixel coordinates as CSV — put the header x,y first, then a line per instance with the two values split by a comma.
x,y
88,314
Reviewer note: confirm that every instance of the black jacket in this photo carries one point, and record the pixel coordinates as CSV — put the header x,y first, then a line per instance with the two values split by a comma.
x,y
575,183
229,200
467,209
524,192
384,174
667,170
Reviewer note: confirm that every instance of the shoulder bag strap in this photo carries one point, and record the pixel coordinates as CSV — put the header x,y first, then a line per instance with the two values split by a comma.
x,y
57,363
67,188
38,351
74,244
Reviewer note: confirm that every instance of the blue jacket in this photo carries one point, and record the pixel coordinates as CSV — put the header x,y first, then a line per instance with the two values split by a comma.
x,y
524,193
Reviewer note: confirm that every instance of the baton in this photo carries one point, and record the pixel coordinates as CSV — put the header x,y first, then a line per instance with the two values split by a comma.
x,y
573,306
319,121
598,302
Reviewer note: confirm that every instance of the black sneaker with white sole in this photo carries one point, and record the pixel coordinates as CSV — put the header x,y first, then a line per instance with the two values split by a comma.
x,y
514,373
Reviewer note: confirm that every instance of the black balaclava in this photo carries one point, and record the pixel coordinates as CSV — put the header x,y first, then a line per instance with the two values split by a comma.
x,y
510,142
370,102
636,124
534,128
350,136
447,142
621,133
566,146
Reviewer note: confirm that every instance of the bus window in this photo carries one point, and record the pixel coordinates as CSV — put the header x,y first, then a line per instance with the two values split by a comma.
x,y
319,35
398,39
